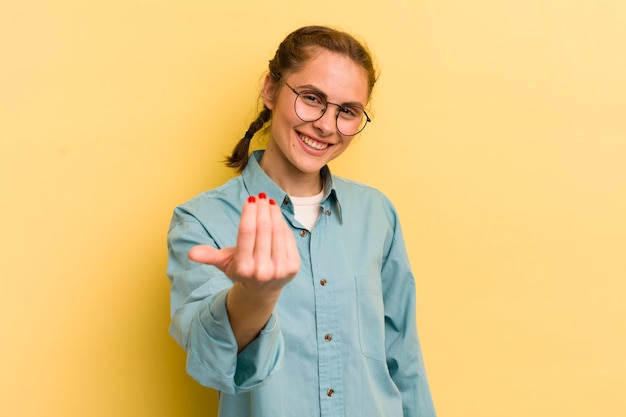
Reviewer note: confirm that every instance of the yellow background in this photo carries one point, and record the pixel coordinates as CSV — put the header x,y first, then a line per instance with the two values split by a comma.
x,y
499,133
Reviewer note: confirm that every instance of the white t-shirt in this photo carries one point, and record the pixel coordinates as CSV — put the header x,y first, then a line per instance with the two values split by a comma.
x,y
307,209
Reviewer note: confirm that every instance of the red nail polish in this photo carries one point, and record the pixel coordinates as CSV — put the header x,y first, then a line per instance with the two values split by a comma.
x,y
262,195
272,202
251,199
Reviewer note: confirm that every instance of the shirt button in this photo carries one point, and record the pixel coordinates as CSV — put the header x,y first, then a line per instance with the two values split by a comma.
x,y
323,282
328,337
303,233
330,392
328,212
285,201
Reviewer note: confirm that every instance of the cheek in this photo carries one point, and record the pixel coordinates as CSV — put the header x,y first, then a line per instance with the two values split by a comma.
x,y
285,116
346,141
342,147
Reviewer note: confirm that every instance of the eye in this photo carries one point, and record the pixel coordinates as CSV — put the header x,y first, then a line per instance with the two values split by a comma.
x,y
312,99
349,112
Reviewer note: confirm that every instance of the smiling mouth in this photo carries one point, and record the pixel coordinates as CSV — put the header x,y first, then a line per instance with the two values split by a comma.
x,y
319,146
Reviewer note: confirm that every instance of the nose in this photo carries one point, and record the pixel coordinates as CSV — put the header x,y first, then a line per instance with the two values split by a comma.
x,y
327,124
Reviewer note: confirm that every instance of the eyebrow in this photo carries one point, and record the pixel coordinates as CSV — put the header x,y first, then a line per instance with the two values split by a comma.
x,y
310,87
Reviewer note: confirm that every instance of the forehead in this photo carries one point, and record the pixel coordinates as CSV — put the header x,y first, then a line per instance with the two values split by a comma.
x,y
336,75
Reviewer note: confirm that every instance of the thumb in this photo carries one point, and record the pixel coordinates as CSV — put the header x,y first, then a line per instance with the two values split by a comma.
x,y
209,255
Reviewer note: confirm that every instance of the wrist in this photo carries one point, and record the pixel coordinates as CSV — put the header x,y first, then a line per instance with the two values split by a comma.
x,y
254,296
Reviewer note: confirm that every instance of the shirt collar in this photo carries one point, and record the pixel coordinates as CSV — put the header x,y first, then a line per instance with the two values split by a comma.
x,y
256,180
330,192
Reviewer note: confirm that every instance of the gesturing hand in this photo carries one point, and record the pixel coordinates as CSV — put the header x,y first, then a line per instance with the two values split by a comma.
x,y
265,257
263,261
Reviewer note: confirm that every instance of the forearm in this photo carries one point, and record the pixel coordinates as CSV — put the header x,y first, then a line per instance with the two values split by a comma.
x,y
212,352
248,311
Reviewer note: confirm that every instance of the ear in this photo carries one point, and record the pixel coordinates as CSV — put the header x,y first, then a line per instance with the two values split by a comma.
x,y
267,94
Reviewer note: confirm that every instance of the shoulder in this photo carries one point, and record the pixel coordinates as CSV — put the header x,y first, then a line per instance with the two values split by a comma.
x,y
215,205
365,204
358,192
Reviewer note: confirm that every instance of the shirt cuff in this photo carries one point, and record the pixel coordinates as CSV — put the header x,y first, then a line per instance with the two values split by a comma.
x,y
213,360
261,358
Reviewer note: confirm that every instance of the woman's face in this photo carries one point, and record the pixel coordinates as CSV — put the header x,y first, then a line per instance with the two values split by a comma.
x,y
296,147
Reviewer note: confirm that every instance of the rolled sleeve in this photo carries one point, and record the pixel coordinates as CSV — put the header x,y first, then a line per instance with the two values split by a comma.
x,y
200,319
212,351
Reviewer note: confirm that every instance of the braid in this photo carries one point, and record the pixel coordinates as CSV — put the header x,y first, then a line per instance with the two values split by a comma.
x,y
238,159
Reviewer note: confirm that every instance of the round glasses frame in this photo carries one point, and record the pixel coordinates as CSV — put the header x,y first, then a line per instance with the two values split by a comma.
x,y
324,108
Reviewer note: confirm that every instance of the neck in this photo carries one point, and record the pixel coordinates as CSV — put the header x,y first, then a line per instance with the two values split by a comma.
x,y
295,183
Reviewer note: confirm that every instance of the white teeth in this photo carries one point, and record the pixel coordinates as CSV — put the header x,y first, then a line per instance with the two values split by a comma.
x,y
312,143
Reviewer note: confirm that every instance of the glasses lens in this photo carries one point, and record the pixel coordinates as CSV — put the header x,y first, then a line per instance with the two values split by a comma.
x,y
350,120
310,106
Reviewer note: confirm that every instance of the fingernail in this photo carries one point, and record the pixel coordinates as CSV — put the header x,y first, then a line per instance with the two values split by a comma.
x,y
262,195
251,199
272,202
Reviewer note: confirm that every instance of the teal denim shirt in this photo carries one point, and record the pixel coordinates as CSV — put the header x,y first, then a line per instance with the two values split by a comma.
x,y
342,340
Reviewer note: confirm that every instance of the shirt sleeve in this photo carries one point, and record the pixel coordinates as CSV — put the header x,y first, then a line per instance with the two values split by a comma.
x,y
404,355
199,319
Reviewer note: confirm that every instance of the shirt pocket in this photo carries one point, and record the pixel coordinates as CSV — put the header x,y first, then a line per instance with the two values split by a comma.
x,y
371,316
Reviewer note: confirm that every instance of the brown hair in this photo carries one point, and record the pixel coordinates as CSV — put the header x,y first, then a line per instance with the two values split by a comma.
x,y
293,52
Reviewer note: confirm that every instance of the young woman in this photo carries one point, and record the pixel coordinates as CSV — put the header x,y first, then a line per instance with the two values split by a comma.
x,y
292,291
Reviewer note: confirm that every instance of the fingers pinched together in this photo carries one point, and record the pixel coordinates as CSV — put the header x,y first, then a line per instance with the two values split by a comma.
x,y
265,254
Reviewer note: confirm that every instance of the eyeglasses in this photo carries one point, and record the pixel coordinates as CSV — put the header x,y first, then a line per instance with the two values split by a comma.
x,y
311,105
